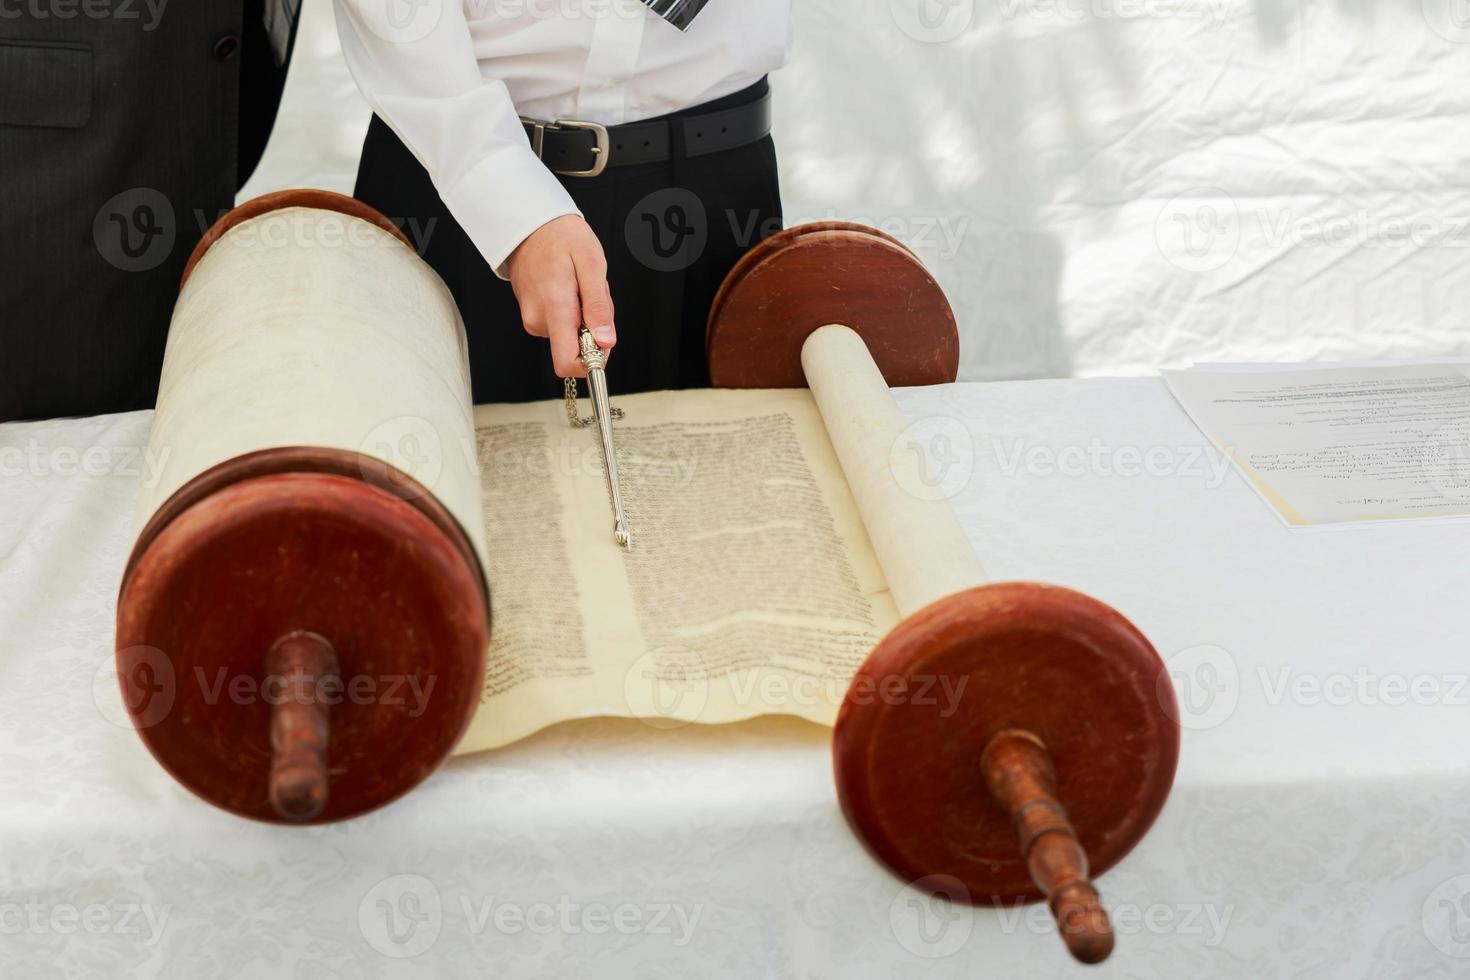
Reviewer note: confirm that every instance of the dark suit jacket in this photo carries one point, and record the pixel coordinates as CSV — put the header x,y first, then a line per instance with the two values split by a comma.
x,y
122,138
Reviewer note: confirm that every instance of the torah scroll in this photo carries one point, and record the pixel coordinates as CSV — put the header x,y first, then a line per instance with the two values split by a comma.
x,y
754,588
303,623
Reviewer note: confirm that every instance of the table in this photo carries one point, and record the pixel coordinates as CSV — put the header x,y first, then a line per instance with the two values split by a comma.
x,y
1317,827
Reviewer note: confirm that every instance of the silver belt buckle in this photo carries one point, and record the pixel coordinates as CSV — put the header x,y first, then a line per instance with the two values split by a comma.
x,y
599,151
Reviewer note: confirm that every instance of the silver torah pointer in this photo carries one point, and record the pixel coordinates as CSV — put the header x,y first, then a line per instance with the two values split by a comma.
x,y
595,361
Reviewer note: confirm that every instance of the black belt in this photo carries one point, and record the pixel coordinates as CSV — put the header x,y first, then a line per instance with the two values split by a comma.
x,y
575,148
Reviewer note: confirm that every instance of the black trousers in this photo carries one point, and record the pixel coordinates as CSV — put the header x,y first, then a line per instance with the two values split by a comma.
x,y
671,231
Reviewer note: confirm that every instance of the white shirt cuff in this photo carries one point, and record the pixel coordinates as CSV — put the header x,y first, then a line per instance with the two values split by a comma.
x,y
504,198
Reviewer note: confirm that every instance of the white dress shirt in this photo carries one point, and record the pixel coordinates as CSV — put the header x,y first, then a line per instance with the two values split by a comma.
x,y
451,78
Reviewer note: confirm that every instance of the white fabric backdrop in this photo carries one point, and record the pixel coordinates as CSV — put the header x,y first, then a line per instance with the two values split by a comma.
x,y
1106,186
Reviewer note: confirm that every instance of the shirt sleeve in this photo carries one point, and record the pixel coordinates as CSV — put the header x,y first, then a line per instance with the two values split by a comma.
x,y
419,73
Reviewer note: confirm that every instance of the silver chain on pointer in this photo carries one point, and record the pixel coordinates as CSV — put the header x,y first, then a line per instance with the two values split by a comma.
x,y
569,388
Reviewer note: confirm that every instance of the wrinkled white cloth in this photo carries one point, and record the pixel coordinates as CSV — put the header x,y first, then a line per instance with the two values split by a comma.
x,y
1316,827
1104,187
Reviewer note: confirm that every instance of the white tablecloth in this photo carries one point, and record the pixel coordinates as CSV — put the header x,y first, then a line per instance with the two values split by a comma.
x,y
1317,828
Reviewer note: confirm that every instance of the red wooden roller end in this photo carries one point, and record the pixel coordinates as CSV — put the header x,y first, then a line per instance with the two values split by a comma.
x,y
301,646
829,272
1014,738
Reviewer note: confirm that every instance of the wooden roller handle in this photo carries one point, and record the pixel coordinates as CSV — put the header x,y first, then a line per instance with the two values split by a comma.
x,y
1019,774
299,729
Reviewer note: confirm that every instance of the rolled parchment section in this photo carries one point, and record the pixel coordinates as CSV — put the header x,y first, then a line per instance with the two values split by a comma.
x,y
1058,749
317,478
918,540
302,326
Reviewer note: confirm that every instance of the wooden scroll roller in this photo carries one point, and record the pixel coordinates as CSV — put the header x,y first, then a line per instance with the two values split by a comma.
x,y
1063,747
302,623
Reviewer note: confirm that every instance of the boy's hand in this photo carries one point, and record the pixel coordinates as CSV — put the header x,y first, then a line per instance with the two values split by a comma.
x,y
559,276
